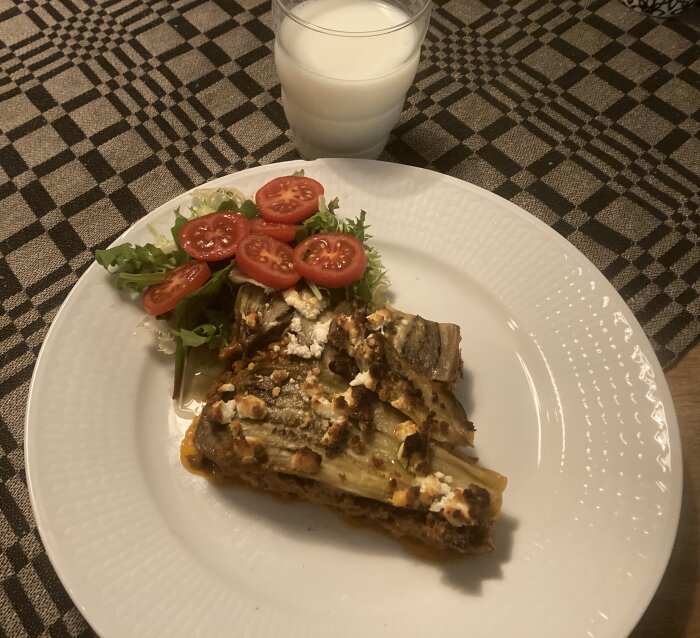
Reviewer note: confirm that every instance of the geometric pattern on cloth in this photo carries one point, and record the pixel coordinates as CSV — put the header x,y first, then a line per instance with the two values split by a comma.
x,y
584,113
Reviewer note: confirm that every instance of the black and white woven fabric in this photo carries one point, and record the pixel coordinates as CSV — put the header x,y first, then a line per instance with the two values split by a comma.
x,y
585,113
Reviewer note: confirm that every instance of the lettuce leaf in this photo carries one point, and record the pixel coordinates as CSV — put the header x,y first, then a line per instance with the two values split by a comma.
x,y
136,267
202,318
211,200
325,221
196,308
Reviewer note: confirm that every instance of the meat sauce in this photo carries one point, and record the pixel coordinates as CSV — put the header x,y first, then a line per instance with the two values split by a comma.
x,y
196,464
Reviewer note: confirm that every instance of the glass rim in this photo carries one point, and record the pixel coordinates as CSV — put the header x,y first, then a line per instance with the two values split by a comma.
x,y
355,34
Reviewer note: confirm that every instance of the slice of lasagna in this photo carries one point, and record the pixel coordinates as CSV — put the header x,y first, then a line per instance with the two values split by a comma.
x,y
351,407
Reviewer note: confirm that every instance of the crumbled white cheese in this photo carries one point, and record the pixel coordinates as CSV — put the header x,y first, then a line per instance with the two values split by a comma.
x,y
379,318
251,319
453,507
319,336
320,332
295,324
365,379
251,407
229,410
223,411
457,512
435,491
448,479
323,408
429,485
316,349
227,387
279,376
334,432
402,430
347,395
438,506
348,324
305,302
311,379
310,386
296,349
402,404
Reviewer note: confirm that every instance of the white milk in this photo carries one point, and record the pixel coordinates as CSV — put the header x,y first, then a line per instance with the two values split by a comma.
x,y
343,95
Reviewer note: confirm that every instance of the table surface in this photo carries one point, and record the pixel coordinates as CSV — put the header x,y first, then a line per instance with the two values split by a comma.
x,y
583,112
675,610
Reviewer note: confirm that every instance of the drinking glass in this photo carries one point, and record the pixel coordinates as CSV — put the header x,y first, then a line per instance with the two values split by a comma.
x,y
345,67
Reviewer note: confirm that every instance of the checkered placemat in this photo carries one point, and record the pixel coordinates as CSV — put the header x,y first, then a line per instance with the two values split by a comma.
x,y
582,112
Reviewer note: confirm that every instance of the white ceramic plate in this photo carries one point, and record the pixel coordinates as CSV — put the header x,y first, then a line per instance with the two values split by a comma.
x,y
568,399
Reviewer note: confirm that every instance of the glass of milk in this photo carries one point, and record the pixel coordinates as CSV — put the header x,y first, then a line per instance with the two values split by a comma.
x,y
345,67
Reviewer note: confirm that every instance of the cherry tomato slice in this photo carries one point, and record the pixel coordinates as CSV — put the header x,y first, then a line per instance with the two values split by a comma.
x,y
267,260
179,282
283,232
288,199
332,260
213,237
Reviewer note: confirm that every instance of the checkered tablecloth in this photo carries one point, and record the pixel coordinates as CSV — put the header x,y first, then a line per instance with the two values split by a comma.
x,y
584,113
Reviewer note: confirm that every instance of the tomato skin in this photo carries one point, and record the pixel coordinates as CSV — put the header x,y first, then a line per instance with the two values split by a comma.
x,y
213,237
268,261
288,199
283,232
332,260
179,282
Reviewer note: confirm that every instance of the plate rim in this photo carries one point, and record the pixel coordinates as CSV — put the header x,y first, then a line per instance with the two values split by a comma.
x,y
552,235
